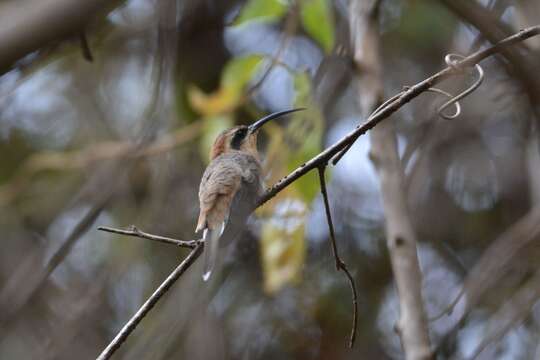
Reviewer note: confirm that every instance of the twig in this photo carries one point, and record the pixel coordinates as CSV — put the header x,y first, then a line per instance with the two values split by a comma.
x,y
150,303
381,107
449,308
134,231
340,264
454,100
394,106
493,29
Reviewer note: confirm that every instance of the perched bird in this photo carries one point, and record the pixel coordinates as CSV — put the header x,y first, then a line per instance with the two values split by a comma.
x,y
230,187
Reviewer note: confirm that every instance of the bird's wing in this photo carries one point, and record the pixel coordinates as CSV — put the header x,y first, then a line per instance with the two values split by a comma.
x,y
245,198
242,205
219,185
229,189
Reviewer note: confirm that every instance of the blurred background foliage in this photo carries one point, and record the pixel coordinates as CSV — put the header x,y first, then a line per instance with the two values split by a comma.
x,y
124,139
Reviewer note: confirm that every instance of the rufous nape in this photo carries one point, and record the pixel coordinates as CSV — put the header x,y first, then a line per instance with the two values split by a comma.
x,y
230,187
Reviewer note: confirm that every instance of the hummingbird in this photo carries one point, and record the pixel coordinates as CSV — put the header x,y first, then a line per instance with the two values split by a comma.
x,y
230,187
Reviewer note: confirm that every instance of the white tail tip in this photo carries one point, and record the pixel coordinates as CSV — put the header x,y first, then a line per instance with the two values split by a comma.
x,y
206,275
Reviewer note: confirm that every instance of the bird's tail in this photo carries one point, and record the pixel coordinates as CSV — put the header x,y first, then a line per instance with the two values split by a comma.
x,y
211,247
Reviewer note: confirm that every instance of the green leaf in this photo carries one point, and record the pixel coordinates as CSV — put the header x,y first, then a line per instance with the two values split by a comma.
x,y
239,71
302,89
317,20
425,25
261,10
305,132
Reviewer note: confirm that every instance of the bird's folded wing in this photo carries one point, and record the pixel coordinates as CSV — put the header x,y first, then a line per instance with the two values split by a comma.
x,y
218,188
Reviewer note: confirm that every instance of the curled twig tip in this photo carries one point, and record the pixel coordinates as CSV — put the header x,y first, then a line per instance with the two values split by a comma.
x,y
452,61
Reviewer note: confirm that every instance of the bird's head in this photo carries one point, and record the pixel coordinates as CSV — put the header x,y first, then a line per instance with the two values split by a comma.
x,y
243,137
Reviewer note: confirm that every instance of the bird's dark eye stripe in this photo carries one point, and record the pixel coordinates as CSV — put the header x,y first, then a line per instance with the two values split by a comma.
x,y
238,137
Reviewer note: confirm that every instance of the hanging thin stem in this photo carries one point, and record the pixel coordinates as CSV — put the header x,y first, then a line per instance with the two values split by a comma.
x,y
340,264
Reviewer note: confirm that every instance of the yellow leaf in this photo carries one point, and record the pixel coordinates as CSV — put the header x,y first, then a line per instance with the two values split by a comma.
x,y
261,10
236,75
222,101
283,246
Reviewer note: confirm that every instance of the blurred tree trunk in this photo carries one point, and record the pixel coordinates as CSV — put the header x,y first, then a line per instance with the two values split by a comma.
x,y
401,240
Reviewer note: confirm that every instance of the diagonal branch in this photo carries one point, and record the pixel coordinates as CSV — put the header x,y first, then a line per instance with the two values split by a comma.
x,y
493,29
340,264
150,303
411,93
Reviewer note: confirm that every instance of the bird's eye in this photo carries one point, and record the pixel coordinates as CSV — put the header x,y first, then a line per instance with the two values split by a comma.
x,y
238,137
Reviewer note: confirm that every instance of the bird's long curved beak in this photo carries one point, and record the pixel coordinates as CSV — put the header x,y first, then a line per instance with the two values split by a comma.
x,y
257,125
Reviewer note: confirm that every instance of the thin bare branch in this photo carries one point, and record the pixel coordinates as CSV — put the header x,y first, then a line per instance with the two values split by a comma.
x,y
340,264
493,29
150,303
134,231
447,311
454,100
394,106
